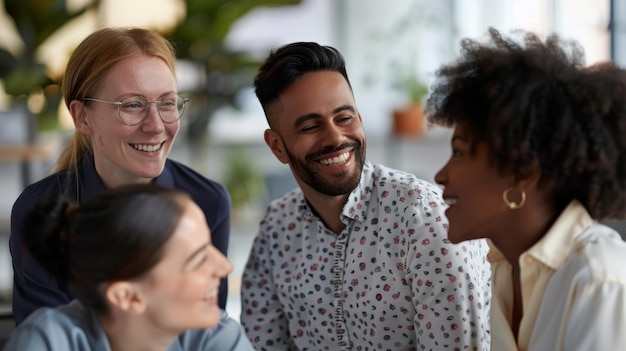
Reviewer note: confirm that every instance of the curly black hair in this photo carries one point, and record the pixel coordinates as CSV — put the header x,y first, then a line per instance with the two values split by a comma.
x,y
535,102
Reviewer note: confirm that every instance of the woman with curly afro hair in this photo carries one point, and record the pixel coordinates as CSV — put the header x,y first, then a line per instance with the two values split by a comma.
x,y
538,158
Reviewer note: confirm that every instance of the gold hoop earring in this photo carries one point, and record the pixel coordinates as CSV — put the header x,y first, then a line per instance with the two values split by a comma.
x,y
512,204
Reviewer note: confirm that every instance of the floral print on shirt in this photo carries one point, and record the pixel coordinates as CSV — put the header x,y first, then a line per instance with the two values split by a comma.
x,y
389,281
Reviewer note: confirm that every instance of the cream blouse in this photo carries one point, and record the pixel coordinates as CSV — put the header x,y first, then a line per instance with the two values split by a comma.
x,y
573,289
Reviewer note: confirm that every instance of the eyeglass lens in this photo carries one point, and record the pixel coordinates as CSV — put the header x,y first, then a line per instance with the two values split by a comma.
x,y
134,109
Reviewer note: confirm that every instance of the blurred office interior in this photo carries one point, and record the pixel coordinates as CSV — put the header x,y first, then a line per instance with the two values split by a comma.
x,y
381,41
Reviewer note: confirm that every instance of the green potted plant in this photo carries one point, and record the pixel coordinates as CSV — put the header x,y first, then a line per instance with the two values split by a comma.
x,y
395,59
408,120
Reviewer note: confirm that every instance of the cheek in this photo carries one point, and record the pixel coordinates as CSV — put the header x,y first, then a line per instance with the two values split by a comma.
x,y
484,200
101,136
172,129
190,286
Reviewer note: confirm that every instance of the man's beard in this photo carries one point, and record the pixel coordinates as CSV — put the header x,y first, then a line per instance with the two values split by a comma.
x,y
344,182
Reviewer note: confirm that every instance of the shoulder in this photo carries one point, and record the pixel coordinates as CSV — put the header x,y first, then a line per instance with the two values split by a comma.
x,y
287,212
227,335
201,188
47,188
290,203
187,178
64,327
601,253
392,180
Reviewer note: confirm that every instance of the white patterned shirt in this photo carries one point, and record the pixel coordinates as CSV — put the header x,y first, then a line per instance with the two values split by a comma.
x,y
389,281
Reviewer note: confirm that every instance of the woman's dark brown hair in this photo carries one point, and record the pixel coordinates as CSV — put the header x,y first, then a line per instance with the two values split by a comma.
x,y
116,235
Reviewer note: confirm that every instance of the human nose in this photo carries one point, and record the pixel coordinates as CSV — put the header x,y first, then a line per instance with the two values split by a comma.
x,y
441,177
333,135
220,264
152,123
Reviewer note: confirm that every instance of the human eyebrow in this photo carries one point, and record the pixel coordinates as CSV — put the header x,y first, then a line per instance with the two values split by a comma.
x,y
459,138
345,108
196,253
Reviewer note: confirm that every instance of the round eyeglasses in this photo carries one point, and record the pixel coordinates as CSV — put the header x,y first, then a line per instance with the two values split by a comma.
x,y
135,109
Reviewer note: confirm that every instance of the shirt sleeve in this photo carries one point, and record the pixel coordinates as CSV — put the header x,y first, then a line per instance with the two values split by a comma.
x,y
33,286
262,314
451,284
597,319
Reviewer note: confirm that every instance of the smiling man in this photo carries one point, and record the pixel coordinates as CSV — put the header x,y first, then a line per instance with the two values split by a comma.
x,y
357,257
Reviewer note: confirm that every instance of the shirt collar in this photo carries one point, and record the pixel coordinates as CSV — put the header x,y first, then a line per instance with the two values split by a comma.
x,y
359,199
553,248
93,184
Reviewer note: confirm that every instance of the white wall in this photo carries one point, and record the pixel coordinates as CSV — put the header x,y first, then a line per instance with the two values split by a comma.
x,y
370,35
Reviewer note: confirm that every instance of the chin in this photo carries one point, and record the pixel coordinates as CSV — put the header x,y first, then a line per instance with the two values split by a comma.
x,y
459,237
211,320
454,240
149,173
456,237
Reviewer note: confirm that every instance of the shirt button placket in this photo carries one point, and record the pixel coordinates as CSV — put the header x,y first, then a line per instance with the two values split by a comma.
x,y
340,329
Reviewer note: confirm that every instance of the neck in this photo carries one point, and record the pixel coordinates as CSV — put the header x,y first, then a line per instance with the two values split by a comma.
x,y
327,208
135,333
523,231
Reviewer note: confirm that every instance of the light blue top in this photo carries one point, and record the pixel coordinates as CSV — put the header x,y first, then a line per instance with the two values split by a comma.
x,y
71,327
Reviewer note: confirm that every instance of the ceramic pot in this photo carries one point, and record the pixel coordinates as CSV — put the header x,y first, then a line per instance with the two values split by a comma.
x,y
409,121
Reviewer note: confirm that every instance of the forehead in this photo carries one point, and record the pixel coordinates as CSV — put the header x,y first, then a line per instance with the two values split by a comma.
x,y
314,92
191,232
141,73
462,131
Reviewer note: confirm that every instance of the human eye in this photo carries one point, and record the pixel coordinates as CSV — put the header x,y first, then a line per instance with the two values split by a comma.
x,y
345,119
309,128
168,104
200,262
133,104
457,149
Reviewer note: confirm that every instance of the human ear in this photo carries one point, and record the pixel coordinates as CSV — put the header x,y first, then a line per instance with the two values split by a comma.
x,y
530,178
126,297
275,143
79,116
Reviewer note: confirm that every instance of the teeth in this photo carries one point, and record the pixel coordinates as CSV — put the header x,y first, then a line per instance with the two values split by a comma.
x,y
336,160
450,200
148,148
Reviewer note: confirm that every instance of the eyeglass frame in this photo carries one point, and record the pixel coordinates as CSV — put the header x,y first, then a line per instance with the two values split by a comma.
x,y
156,102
